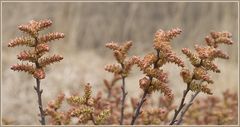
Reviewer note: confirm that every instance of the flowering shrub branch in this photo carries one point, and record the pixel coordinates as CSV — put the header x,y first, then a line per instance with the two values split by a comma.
x,y
156,79
36,64
120,53
202,62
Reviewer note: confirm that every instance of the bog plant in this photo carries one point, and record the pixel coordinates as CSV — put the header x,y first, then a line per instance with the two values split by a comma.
x,y
35,62
111,106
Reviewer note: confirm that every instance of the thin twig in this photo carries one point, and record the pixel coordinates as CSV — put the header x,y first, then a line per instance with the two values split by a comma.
x,y
184,110
39,92
137,112
93,119
109,93
124,94
182,104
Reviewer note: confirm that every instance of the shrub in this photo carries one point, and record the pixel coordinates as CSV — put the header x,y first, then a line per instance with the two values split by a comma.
x,y
111,107
36,62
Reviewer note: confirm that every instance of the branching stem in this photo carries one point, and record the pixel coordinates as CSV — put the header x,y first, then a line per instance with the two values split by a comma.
x,y
184,110
39,92
137,112
143,99
182,104
93,119
124,94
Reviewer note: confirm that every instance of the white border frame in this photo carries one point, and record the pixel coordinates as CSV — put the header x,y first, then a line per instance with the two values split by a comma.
x,y
120,2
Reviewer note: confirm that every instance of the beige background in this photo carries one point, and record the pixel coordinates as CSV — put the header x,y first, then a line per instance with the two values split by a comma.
x,y
88,26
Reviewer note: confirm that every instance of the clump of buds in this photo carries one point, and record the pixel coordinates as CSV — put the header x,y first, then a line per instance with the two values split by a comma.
x,y
156,79
36,63
39,48
120,53
85,108
215,110
203,61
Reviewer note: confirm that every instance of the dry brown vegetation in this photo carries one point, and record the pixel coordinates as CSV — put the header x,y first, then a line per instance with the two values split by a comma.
x,y
88,26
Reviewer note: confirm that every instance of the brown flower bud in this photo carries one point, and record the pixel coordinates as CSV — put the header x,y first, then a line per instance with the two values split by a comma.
x,y
220,54
39,74
201,73
215,35
173,33
195,85
206,90
42,24
186,75
28,29
162,46
43,62
26,55
149,59
120,57
126,46
114,68
157,85
23,67
156,73
137,60
161,35
55,104
207,64
42,48
21,41
144,83
171,57
203,52
221,38
75,100
87,91
128,65
50,37
224,40
210,41
194,59
113,46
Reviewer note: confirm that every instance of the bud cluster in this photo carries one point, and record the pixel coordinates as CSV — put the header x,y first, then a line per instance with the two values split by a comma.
x,y
215,110
39,48
203,61
123,67
85,108
151,64
162,44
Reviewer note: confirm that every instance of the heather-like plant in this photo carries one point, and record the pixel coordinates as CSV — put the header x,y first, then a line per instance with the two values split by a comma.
x,y
203,61
214,110
114,107
84,108
122,68
33,61
156,79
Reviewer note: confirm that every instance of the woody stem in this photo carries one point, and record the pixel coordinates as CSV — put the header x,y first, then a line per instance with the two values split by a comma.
x,y
182,104
124,94
39,92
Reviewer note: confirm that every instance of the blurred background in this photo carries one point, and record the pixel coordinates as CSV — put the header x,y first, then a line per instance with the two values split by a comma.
x,y
88,26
